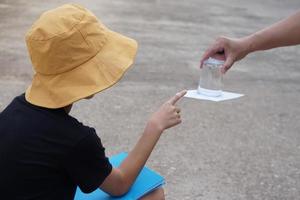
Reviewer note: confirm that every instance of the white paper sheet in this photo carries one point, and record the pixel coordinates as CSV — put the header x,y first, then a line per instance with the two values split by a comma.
x,y
223,97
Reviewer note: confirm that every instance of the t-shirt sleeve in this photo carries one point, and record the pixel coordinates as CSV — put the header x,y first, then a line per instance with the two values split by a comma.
x,y
87,164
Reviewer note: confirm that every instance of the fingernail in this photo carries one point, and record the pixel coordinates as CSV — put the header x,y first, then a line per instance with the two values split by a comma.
x,y
223,70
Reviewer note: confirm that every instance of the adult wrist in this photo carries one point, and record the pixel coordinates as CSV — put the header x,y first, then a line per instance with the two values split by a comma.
x,y
249,44
252,42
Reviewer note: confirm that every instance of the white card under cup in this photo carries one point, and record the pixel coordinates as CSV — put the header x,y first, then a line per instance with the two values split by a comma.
x,y
225,96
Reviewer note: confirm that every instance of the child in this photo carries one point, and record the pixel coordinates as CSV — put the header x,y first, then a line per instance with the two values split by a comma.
x,y
44,152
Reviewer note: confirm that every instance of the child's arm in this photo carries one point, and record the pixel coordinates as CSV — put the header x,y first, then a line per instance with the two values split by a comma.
x,y
121,179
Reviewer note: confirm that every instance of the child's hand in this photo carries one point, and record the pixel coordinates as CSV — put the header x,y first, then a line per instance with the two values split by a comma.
x,y
168,115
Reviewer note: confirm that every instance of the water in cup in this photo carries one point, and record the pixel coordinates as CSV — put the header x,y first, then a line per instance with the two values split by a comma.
x,y
210,83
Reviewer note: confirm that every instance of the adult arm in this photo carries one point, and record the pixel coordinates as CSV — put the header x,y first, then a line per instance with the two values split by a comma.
x,y
283,33
120,179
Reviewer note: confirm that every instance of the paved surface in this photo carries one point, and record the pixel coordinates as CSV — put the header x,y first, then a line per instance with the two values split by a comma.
x,y
246,149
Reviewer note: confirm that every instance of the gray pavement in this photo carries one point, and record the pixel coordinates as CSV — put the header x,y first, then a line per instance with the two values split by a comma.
x,y
245,149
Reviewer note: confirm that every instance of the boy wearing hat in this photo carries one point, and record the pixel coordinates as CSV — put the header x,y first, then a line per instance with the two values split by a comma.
x,y
44,152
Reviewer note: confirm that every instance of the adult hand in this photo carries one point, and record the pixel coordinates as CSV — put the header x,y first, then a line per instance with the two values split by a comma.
x,y
228,49
168,115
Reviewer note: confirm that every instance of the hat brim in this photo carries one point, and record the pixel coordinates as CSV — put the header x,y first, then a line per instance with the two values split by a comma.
x,y
97,74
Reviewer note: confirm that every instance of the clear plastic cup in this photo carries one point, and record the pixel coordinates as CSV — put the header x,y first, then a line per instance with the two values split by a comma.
x,y
211,83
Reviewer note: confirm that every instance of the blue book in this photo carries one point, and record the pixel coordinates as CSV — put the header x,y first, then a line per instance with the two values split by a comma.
x,y
147,181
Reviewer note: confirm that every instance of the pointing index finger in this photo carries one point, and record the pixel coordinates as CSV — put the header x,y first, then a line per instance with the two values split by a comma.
x,y
178,96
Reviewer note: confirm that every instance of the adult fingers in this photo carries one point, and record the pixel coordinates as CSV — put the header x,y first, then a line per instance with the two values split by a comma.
x,y
218,47
210,52
178,96
205,56
228,63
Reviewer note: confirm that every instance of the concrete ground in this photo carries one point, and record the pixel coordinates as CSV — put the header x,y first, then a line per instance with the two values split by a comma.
x,y
245,149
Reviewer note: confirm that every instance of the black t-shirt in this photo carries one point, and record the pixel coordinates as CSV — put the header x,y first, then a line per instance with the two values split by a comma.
x,y
45,154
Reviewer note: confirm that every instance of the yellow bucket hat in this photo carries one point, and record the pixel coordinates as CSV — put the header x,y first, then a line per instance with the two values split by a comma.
x,y
74,56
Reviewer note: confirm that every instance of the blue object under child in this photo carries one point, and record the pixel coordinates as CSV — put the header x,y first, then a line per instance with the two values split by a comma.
x,y
147,181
